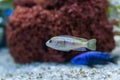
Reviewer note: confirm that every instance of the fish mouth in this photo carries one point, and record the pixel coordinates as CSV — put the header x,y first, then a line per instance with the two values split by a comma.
x,y
47,43
72,61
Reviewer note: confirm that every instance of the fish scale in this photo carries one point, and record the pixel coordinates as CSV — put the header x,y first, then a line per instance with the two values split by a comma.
x,y
98,60
98,57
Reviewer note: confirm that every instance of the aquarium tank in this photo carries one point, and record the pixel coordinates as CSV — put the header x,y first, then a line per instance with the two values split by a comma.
x,y
59,40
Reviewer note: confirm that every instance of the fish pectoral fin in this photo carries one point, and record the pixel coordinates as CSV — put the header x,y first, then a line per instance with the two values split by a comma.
x,y
80,49
65,50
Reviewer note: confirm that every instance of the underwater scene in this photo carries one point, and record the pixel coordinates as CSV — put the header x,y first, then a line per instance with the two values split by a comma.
x,y
59,40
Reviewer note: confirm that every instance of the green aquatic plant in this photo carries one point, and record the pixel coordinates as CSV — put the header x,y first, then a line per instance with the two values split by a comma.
x,y
114,12
6,4
1,34
118,7
6,8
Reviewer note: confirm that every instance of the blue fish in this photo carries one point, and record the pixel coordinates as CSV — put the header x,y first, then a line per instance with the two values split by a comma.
x,y
94,57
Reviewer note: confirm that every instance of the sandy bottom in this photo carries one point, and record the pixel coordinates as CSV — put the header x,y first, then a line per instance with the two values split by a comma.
x,y
9,70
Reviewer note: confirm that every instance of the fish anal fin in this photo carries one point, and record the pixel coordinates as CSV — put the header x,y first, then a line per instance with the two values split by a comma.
x,y
81,49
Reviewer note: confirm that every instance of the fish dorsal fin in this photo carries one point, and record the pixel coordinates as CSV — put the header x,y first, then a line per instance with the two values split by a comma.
x,y
66,36
54,37
81,39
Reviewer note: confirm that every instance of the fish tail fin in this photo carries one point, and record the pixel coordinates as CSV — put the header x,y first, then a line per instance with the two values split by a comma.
x,y
91,44
114,59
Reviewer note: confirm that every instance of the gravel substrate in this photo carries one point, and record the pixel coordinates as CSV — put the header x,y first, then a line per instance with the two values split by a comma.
x,y
9,70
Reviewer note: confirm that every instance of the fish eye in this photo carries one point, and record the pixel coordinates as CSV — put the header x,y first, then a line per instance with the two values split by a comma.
x,y
50,41
78,59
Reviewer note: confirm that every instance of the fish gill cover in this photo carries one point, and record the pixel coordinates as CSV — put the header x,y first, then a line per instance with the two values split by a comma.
x,y
35,21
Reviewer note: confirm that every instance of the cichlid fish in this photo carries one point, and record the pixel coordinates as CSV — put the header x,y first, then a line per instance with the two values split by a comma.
x,y
68,43
94,57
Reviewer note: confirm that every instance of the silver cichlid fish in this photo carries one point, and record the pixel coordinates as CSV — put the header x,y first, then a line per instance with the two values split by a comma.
x,y
68,43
